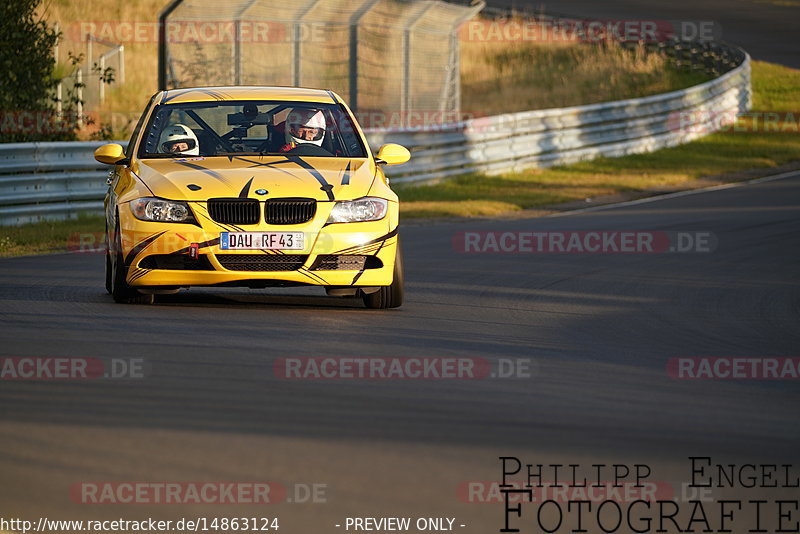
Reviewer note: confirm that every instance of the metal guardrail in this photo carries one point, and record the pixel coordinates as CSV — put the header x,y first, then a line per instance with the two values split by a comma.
x,y
60,180
517,141
41,181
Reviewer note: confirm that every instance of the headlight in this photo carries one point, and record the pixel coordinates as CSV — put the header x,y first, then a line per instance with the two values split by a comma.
x,y
361,210
156,209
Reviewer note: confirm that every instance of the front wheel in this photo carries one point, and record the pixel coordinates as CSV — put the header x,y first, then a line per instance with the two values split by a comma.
x,y
117,273
109,270
390,296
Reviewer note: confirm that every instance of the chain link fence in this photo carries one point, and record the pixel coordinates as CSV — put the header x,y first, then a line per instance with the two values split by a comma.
x,y
679,42
383,56
91,66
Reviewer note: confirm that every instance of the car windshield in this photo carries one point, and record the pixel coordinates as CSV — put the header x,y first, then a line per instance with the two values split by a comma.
x,y
252,127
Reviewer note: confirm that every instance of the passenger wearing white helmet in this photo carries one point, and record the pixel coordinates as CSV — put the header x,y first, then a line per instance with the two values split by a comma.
x,y
304,126
179,139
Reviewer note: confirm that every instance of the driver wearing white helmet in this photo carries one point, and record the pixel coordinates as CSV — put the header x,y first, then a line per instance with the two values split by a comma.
x,y
179,139
304,126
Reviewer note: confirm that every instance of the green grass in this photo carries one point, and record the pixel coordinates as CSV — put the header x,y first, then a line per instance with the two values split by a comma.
x,y
775,88
49,236
511,76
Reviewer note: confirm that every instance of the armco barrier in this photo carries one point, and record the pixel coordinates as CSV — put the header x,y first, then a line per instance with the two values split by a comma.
x,y
40,181
513,142
60,180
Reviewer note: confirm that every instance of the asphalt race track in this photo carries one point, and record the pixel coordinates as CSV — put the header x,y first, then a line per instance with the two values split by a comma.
x,y
767,29
598,329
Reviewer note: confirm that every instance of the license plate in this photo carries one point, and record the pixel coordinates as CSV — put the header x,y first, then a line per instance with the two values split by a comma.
x,y
261,241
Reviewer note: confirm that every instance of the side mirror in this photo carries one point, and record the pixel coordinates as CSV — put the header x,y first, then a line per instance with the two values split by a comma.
x,y
111,154
392,154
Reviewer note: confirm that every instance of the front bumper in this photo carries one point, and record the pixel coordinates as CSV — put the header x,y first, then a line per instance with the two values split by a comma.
x,y
147,246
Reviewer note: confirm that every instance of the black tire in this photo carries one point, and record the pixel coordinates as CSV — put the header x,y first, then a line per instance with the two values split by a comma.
x,y
119,288
108,269
390,296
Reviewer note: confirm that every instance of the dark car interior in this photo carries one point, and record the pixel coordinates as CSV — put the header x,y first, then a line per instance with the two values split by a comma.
x,y
252,131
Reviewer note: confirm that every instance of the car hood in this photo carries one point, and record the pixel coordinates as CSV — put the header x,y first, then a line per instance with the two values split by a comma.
x,y
198,179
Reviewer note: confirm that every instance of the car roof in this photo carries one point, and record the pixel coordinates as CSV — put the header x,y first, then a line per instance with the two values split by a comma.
x,y
222,93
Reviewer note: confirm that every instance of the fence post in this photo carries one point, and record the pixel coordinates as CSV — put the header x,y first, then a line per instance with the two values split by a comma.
x,y
89,56
405,91
121,64
237,42
163,56
79,96
57,29
297,43
101,89
453,86
352,49
59,85
236,52
451,100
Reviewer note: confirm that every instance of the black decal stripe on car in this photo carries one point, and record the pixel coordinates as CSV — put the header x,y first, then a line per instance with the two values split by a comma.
x,y
313,276
363,251
357,276
140,273
328,188
137,273
376,240
130,277
363,268
140,246
235,228
213,174
271,165
219,95
213,94
226,227
346,177
246,189
131,273
167,98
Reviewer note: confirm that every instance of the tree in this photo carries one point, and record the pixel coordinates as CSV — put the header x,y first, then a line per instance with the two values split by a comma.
x,y
26,68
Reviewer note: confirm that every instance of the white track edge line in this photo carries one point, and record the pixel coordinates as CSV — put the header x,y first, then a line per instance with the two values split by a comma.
x,y
677,194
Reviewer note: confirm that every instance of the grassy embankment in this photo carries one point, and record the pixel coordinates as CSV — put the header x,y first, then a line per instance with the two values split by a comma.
x,y
775,89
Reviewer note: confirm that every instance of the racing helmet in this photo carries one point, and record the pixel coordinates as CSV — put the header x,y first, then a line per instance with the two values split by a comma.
x,y
305,126
179,139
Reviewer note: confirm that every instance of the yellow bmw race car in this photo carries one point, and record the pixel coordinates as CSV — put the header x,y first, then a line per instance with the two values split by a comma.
x,y
251,187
